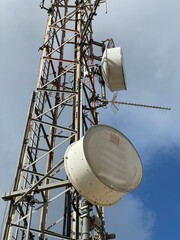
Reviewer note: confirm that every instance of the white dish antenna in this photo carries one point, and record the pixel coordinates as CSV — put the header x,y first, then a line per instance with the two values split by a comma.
x,y
112,69
103,165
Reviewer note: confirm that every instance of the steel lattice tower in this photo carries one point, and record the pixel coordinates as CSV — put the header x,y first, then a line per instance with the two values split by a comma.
x,y
43,204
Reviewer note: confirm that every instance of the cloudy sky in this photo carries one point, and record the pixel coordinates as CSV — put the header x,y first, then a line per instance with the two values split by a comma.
x,y
149,33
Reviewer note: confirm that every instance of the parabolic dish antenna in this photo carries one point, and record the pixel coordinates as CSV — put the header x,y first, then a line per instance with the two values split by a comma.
x,y
112,69
103,165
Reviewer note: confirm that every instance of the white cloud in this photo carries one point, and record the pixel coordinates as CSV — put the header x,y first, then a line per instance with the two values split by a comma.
x,y
130,219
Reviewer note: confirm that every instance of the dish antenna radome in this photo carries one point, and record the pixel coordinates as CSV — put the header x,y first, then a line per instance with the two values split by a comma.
x,y
103,165
112,69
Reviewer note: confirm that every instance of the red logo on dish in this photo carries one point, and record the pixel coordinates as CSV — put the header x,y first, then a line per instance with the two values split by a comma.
x,y
114,138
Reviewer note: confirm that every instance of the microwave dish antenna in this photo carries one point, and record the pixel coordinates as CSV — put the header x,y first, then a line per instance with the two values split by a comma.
x,y
112,68
103,165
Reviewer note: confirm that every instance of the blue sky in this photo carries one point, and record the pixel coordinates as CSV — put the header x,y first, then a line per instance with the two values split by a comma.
x,y
162,181
149,34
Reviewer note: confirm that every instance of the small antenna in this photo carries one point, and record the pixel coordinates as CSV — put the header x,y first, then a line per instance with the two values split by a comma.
x,y
114,103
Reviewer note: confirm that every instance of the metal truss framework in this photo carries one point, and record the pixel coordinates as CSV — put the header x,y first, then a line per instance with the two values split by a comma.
x,y
42,203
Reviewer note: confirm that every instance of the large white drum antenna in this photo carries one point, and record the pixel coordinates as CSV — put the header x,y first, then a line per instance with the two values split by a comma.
x,y
103,165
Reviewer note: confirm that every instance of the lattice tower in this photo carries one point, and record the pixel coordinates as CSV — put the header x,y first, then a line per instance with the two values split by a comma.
x,y
42,203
